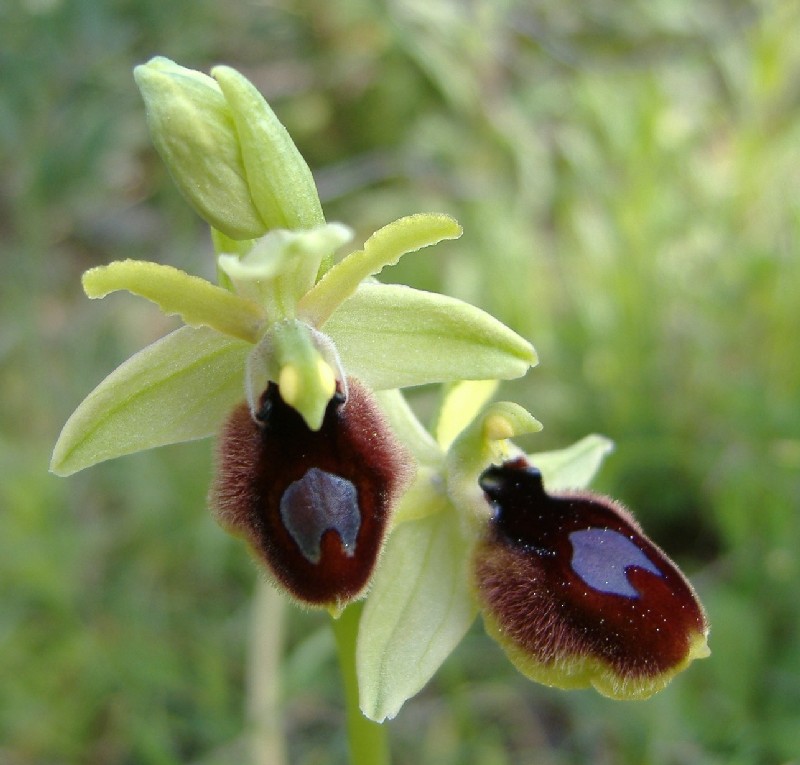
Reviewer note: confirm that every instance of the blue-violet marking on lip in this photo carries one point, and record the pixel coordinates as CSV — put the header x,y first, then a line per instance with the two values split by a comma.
x,y
601,557
319,502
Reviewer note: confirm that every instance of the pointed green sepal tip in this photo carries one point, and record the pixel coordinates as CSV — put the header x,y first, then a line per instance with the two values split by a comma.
x,y
280,181
574,466
193,130
393,336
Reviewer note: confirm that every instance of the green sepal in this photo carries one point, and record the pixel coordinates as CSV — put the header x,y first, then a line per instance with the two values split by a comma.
x,y
574,466
419,608
408,428
197,301
279,179
384,248
391,336
194,133
178,389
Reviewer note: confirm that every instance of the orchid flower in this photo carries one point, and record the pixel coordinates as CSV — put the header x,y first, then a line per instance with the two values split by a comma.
x,y
296,358
566,581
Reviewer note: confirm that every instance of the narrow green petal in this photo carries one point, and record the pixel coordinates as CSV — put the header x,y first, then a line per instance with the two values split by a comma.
x,y
391,336
462,402
419,608
197,301
384,248
280,181
575,466
177,389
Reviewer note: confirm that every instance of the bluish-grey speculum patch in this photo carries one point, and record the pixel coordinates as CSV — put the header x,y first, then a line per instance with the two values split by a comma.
x,y
320,502
601,556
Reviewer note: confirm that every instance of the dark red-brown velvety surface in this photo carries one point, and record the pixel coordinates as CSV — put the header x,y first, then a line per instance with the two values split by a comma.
x,y
257,463
526,579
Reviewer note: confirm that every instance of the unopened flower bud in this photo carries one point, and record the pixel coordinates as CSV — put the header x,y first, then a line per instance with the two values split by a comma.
x,y
193,130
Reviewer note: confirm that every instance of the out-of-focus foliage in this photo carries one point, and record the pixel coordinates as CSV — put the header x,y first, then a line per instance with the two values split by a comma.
x,y
628,177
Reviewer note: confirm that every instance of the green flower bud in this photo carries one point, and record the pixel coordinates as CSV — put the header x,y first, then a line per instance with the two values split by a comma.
x,y
281,184
194,132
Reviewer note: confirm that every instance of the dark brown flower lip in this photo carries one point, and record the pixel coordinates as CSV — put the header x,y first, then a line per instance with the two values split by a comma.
x,y
576,592
313,505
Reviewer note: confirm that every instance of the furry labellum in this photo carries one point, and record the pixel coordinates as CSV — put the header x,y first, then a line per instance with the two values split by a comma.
x,y
313,505
577,595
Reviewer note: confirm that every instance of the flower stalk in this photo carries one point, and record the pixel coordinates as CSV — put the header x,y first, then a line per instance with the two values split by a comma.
x,y
367,740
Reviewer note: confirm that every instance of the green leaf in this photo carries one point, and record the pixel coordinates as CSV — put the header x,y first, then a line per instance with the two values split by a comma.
x,y
280,181
197,301
419,608
391,336
575,466
177,389
193,131
385,247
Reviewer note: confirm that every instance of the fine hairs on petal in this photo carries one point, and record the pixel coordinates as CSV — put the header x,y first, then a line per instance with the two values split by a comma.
x,y
575,592
277,482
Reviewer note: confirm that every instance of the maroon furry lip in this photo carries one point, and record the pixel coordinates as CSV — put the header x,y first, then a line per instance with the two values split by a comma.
x,y
573,576
313,505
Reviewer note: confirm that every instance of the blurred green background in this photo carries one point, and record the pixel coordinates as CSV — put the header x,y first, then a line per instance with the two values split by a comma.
x,y
628,177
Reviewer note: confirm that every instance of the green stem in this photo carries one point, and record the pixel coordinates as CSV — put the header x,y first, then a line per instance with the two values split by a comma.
x,y
368,742
267,745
